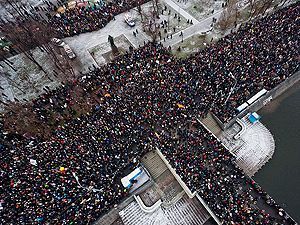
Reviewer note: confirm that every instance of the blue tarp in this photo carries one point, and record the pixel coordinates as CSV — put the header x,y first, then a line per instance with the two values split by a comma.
x,y
127,181
253,117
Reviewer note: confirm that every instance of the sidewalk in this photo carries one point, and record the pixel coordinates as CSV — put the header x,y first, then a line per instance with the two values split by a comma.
x,y
181,11
201,26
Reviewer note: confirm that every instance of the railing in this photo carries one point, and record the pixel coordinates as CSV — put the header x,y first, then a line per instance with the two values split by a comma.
x,y
147,209
265,99
208,209
243,129
174,200
177,177
185,188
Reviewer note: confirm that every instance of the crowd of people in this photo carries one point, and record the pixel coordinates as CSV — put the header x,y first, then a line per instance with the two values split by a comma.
x,y
90,17
260,55
210,170
148,98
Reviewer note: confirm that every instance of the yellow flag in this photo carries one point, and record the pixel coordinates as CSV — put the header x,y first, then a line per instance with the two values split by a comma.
x,y
180,106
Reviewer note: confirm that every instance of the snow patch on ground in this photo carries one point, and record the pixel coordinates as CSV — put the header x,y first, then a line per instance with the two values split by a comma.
x,y
184,212
200,8
253,149
27,82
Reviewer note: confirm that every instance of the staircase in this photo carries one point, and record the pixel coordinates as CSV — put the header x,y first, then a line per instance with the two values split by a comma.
x,y
111,218
211,124
154,164
134,215
184,212
187,211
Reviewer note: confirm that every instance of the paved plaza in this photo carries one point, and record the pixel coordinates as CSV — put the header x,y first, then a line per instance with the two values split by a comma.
x,y
253,149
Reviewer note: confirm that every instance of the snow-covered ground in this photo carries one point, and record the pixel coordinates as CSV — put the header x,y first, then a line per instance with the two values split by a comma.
x,y
200,9
253,149
184,212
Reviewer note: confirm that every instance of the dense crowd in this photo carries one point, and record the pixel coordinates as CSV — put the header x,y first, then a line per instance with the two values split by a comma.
x,y
90,17
260,55
149,98
208,168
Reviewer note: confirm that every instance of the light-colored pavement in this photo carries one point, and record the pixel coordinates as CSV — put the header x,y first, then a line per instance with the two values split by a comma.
x,y
201,26
83,42
181,11
253,149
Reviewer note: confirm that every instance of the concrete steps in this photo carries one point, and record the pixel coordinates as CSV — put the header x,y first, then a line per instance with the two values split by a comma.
x,y
132,214
154,164
111,218
211,124
184,212
187,212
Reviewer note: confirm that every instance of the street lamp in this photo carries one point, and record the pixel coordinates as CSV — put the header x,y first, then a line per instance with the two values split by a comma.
x,y
232,88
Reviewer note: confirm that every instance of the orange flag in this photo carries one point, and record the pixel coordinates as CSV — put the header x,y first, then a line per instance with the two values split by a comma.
x,y
180,106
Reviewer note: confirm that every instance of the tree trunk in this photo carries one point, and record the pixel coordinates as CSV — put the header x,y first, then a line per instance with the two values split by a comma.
x,y
140,11
30,57
251,9
15,8
9,63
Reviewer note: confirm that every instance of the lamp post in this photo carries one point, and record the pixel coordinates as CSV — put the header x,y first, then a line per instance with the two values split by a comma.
x,y
232,88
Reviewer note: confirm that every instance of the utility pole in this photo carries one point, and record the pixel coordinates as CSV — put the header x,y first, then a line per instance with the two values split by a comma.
x,y
232,88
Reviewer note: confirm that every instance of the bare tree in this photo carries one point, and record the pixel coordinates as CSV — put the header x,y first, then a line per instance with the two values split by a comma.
x,y
252,4
28,34
223,20
139,10
259,7
150,23
5,60
15,5
265,6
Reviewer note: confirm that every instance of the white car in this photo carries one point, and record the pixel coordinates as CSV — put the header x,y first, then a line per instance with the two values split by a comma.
x,y
128,19
58,42
69,51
